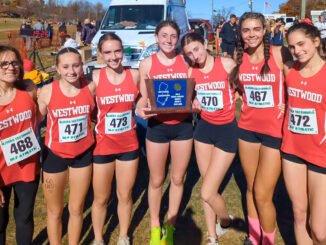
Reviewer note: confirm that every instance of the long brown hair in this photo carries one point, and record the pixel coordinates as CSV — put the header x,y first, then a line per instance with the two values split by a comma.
x,y
234,75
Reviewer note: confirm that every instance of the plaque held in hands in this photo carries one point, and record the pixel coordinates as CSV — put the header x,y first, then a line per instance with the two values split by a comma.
x,y
170,95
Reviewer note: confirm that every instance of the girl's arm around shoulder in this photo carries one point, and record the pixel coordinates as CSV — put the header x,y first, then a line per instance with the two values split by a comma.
x,y
135,76
228,64
31,89
44,98
282,55
288,66
92,85
144,68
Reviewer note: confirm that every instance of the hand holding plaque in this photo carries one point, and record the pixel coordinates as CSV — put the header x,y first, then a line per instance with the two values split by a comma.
x,y
170,95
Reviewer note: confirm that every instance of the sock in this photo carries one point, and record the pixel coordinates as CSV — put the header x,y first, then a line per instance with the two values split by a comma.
x,y
268,238
254,230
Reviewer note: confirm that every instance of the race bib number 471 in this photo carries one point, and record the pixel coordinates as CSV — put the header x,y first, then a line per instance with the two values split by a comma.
x,y
20,146
259,96
116,123
211,100
303,121
72,129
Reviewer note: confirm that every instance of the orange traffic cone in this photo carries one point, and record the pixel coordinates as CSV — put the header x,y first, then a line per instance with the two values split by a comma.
x,y
23,49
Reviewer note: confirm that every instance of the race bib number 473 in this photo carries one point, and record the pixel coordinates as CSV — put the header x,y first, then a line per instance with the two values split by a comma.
x,y
211,100
72,129
116,123
259,96
303,121
20,146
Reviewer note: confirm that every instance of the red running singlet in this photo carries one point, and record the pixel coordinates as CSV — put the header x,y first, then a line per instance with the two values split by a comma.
x,y
304,130
261,96
19,160
177,70
215,94
115,128
68,131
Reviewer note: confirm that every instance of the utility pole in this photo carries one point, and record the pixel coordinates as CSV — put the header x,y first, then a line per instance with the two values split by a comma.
x,y
250,5
212,12
303,9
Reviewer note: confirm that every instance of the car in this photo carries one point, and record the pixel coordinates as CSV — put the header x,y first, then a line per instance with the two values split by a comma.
x,y
210,30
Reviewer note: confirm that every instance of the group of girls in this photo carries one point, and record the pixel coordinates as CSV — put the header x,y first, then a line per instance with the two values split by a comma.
x,y
265,78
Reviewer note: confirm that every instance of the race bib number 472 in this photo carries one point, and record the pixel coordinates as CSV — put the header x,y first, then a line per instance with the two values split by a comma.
x,y
259,96
116,123
20,146
303,121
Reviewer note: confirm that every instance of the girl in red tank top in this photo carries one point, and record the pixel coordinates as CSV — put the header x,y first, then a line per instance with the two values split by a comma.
x,y
165,132
116,151
68,103
304,133
215,133
258,75
19,157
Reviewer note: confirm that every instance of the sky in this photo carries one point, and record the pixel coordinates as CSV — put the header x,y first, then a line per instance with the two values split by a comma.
x,y
203,8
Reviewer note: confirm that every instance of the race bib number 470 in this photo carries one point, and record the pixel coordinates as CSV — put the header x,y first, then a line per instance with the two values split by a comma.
x,y
116,123
259,96
20,146
211,100
72,129
303,121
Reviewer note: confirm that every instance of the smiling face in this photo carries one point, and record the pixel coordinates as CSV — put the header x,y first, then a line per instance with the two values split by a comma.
x,y
196,51
167,38
252,32
302,46
112,53
9,67
70,67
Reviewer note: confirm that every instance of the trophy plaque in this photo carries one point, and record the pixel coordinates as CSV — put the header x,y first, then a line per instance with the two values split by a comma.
x,y
170,95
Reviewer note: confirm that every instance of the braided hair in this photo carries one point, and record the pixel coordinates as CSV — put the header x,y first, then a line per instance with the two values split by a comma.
x,y
234,75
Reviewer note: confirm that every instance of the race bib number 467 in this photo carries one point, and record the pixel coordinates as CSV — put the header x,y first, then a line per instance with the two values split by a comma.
x,y
72,129
303,121
259,96
20,146
116,123
211,100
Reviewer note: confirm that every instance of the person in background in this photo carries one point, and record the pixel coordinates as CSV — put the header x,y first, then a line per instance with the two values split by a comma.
x,y
227,35
69,42
38,26
88,32
276,34
78,32
62,32
321,25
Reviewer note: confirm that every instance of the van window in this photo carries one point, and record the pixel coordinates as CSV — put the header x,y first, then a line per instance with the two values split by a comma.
x,y
289,20
134,17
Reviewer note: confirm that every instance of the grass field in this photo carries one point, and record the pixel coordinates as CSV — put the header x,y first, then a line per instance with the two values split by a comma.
x,y
190,225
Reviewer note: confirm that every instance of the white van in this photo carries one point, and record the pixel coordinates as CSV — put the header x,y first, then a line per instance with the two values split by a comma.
x,y
134,21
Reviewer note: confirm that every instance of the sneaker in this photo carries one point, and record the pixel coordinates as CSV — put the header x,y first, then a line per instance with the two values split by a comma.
x,y
212,241
247,241
220,231
123,241
167,234
155,236
98,242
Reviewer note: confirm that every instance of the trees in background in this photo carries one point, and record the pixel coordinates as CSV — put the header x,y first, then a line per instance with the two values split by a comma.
x,y
293,7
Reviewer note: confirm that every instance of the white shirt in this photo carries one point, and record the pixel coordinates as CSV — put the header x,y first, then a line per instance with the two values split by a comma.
x,y
70,43
322,28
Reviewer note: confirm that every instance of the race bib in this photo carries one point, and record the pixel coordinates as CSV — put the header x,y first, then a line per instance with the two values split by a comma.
x,y
211,100
259,96
116,123
72,129
303,121
20,146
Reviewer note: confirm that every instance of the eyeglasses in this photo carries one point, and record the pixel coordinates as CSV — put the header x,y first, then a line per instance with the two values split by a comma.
x,y
5,64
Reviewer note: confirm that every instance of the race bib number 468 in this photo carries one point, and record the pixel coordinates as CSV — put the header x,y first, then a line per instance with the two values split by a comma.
x,y
259,96
116,123
303,121
20,146
72,129
211,100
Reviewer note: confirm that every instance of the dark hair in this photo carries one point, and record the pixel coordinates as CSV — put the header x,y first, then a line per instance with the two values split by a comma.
x,y
67,36
308,30
234,75
165,23
108,36
233,16
19,83
66,50
192,37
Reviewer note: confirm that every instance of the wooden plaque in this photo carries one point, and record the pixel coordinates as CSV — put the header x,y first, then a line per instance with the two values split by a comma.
x,y
170,95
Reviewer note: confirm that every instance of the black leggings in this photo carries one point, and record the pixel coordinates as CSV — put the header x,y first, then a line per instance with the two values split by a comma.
x,y
25,193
